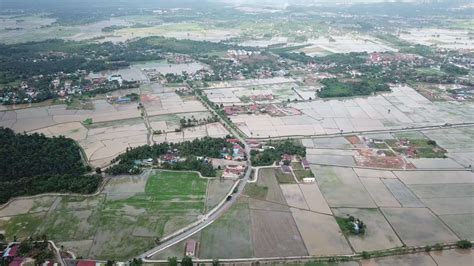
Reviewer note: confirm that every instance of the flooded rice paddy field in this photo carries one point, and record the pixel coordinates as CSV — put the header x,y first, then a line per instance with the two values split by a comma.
x,y
403,107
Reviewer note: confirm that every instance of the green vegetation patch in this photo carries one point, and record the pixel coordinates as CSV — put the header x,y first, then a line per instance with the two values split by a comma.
x,y
270,155
205,147
180,46
35,164
300,174
418,148
284,178
166,194
78,104
335,88
255,191
23,226
351,225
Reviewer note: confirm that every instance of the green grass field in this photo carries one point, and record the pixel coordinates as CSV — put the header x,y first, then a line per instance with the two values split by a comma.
x,y
284,178
300,174
255,191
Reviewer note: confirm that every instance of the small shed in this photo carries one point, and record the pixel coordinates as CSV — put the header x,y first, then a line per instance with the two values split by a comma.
x,y
190,249
286,169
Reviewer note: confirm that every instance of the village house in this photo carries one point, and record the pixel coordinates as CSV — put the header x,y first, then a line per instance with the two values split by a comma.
x,y
238,153
287,158
285,169
305,164
87,263
254,145
233,171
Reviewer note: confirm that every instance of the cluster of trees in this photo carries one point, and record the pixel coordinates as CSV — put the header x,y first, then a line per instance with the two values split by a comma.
x,y
205,147
33,164
172,45
250,69
335,88
269,156
19,61
454,70
351,225
186,261
299,57
347,59
352,58
37,249
192,121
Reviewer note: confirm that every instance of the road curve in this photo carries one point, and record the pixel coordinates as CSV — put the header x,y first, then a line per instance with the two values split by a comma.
x,y
215,213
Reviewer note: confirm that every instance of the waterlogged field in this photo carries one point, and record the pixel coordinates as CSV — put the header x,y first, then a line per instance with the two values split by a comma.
x,y
344,43
111,128
445,38
121,222
319,117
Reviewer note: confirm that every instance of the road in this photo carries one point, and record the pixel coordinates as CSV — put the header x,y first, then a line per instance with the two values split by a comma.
x,y
149,137
215,213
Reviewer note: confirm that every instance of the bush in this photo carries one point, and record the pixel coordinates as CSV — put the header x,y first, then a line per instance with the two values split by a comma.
x,y
464,244
365,255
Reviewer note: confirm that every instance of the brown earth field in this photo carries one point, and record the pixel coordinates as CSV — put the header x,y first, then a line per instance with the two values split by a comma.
x,y
274,199
321,234
275,234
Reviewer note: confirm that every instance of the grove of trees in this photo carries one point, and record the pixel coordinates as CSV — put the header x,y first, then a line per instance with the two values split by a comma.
x,y
204,147
269,156
34,164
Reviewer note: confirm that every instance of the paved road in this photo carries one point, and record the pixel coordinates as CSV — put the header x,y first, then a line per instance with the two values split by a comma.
x,y
215,213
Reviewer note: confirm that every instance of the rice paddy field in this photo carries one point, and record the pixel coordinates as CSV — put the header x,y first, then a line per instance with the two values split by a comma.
x,y
433,258
121,221
401,108
114,127
400,207
444,38
41,27
344,43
